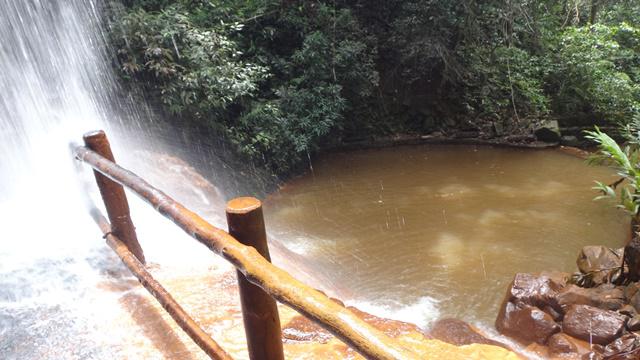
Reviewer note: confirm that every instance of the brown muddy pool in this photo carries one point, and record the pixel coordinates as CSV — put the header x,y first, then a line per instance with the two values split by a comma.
x,y
423,232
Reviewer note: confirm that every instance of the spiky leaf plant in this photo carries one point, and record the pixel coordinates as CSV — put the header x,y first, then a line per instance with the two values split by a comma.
x,y
626,160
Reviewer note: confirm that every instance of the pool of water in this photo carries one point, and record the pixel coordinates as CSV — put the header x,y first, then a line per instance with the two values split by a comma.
x,y
423,232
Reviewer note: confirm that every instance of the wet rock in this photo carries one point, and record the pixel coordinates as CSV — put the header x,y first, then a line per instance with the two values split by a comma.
x,y
458,332
604,297
626,347
390,327
570,140
632,258
537,351
593,258
635,301
628,310
592,356
592,324
633,324
559,278
599,262
630,290
178,178
573,151
562,344
525,323
548,131
555,314
301,329
537,290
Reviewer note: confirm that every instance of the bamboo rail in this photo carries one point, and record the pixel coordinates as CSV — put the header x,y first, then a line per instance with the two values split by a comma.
x,y
179,315
362,337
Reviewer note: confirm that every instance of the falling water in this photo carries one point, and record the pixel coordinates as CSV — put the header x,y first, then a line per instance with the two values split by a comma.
x,y
56,83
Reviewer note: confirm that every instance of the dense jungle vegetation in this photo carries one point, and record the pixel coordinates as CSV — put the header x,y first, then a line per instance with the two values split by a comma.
x,y
281,79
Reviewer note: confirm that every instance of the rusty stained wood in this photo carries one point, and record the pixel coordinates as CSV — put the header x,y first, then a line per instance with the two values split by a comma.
x,y
259,309
179,315
355,332
113,196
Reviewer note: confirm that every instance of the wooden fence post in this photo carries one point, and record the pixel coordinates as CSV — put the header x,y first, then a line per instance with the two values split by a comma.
x,y
259,309
115,200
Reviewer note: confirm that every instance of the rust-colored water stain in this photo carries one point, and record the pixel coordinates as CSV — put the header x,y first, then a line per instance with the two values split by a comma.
x,y
212,299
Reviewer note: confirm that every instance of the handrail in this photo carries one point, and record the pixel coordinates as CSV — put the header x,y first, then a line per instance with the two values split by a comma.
x,y
179,315
341,322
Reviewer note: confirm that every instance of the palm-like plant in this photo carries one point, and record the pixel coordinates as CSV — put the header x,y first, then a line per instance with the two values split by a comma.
x,y
626,160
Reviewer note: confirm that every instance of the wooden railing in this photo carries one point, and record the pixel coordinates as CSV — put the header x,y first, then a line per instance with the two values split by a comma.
x,y
245,247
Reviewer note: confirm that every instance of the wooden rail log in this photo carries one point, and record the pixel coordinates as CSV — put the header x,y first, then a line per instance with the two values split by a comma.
x,y
259,310
113,196
362,337
179,315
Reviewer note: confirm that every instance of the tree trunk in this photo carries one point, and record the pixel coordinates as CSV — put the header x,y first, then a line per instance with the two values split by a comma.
x,y
595,4
632,250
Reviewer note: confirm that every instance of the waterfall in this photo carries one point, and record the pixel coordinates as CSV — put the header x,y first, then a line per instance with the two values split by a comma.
x,y
56,83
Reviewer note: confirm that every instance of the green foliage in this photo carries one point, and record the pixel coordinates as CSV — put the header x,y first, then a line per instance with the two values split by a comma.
x,y
283,79
196,72
283,132
626,161
597,69
505,83
277,80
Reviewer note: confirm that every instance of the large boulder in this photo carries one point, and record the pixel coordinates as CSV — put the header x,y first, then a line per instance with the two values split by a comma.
x,y
599,262
592,324
548,131
606,297
537,290
525,323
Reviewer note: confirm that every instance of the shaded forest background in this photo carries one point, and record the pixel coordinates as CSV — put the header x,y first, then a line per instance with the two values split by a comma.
x,y
279,80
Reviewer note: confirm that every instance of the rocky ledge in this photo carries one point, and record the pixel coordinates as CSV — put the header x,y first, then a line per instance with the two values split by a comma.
x,y
211,297
592,314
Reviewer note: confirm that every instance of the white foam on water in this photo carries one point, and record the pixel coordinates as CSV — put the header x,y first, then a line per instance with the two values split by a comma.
x,y
422,312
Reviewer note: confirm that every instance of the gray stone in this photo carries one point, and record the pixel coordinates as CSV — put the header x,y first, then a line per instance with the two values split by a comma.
x,y
570,140
548,131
